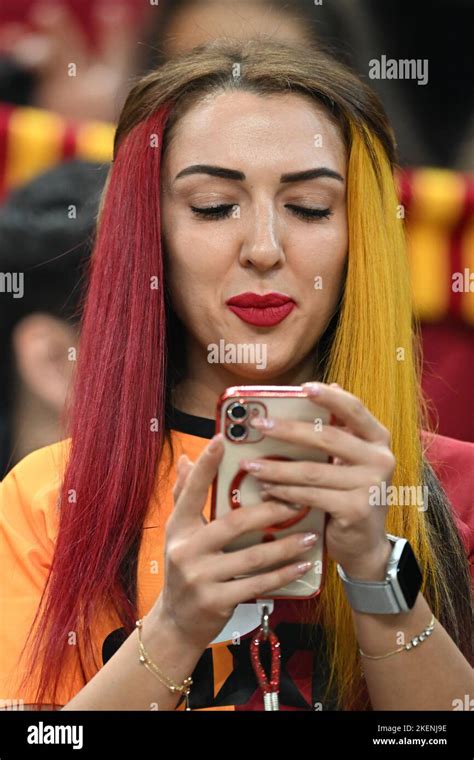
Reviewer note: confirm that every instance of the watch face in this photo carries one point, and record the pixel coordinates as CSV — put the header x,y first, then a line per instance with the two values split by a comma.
x,y
409,575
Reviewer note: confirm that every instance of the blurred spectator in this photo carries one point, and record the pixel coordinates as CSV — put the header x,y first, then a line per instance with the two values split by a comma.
x,y
73,58
112,41
359,31
46,232
183,24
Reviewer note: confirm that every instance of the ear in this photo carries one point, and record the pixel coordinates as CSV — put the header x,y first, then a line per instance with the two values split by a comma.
x,y
45,350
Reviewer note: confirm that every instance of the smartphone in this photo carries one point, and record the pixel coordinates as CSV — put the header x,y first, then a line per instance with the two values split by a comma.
x,y
234,488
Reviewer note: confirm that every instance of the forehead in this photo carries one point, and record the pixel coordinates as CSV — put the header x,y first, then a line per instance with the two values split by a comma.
x,y
259,131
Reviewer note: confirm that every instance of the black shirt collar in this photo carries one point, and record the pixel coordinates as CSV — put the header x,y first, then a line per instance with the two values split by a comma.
x,y
191,424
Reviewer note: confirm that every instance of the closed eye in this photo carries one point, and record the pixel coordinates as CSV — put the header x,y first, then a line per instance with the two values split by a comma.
x,y
224,211
214,212
310,214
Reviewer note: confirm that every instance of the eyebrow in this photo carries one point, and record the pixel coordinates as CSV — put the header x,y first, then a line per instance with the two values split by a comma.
x,y
219,171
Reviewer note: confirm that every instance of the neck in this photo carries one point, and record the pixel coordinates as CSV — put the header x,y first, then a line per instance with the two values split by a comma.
x,y
199,392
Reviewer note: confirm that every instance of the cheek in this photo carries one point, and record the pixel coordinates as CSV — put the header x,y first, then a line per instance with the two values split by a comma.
x,y
186,290
324,262
190,271
194,256
183,272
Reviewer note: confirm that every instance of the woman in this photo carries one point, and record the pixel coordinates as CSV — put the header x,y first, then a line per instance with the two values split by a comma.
x,y
238,167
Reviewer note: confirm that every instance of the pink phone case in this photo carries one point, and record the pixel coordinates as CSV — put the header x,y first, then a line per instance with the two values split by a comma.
x,y
234,488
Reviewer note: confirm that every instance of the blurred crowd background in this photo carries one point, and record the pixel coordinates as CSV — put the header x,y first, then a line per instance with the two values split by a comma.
x,y
65,69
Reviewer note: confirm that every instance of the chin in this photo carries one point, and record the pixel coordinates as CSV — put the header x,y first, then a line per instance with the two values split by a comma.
x,y
259,374
257,360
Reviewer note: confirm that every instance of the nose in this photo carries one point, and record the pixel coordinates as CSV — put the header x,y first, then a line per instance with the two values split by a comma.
x,y
261,247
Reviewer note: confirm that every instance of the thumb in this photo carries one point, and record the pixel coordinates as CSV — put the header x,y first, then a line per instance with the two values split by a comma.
x,y
183,468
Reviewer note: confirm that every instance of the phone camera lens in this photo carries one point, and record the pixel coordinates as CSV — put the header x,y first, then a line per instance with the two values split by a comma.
x,y
237,412
237,432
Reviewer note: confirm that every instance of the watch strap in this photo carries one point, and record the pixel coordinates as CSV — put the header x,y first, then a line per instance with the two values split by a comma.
x,y
376,597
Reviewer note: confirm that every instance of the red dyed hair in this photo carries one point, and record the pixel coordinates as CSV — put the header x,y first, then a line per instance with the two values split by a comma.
x,y
119,388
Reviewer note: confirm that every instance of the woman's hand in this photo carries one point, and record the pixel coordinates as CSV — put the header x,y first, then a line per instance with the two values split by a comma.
x,y
200,593
355,531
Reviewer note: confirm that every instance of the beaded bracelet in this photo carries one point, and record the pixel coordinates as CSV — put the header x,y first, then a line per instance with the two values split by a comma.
x,y
415,641
145,660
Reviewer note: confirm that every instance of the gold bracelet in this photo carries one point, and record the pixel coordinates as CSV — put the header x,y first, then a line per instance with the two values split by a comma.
x,y
415,641
145,660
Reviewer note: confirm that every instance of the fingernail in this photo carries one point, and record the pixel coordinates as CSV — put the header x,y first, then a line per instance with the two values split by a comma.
x,y
214,444
184,465
262,422
303,567
265,486
251,466
335,385
314,389
309,539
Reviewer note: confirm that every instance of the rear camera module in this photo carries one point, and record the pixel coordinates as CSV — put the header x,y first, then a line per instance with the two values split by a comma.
x,y
237,412
237,432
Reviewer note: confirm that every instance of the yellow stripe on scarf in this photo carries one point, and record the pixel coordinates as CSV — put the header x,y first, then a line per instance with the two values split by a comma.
x,y
438,202
34,144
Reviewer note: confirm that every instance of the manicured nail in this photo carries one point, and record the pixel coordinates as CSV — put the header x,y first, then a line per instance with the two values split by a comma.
x,y
251,466
303,567
214,444
309,539
262,422
314,389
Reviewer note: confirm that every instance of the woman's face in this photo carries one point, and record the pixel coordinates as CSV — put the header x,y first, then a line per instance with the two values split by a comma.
x,y
276,233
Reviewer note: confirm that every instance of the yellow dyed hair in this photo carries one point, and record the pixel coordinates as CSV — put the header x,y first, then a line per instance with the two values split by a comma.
x,y
374,356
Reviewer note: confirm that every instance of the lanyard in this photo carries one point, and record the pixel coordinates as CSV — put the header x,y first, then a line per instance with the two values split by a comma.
x,y
269,686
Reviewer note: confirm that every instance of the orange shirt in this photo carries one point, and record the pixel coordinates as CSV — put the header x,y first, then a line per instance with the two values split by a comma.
x,y
28,528
223,678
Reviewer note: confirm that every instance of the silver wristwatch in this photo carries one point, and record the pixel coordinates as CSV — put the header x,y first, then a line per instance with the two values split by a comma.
x,y
397,593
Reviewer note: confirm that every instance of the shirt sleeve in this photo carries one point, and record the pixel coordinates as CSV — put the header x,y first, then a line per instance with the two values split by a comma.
x,y
453,462
28,528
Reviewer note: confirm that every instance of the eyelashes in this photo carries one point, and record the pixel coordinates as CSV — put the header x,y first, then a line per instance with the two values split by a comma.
x,y
224,211
310,214
213,212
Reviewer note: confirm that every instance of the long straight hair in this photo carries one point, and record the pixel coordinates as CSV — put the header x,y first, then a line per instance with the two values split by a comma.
x,y
124,375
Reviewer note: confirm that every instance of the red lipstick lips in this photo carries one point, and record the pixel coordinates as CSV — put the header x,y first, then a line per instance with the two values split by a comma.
x,y
261,310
